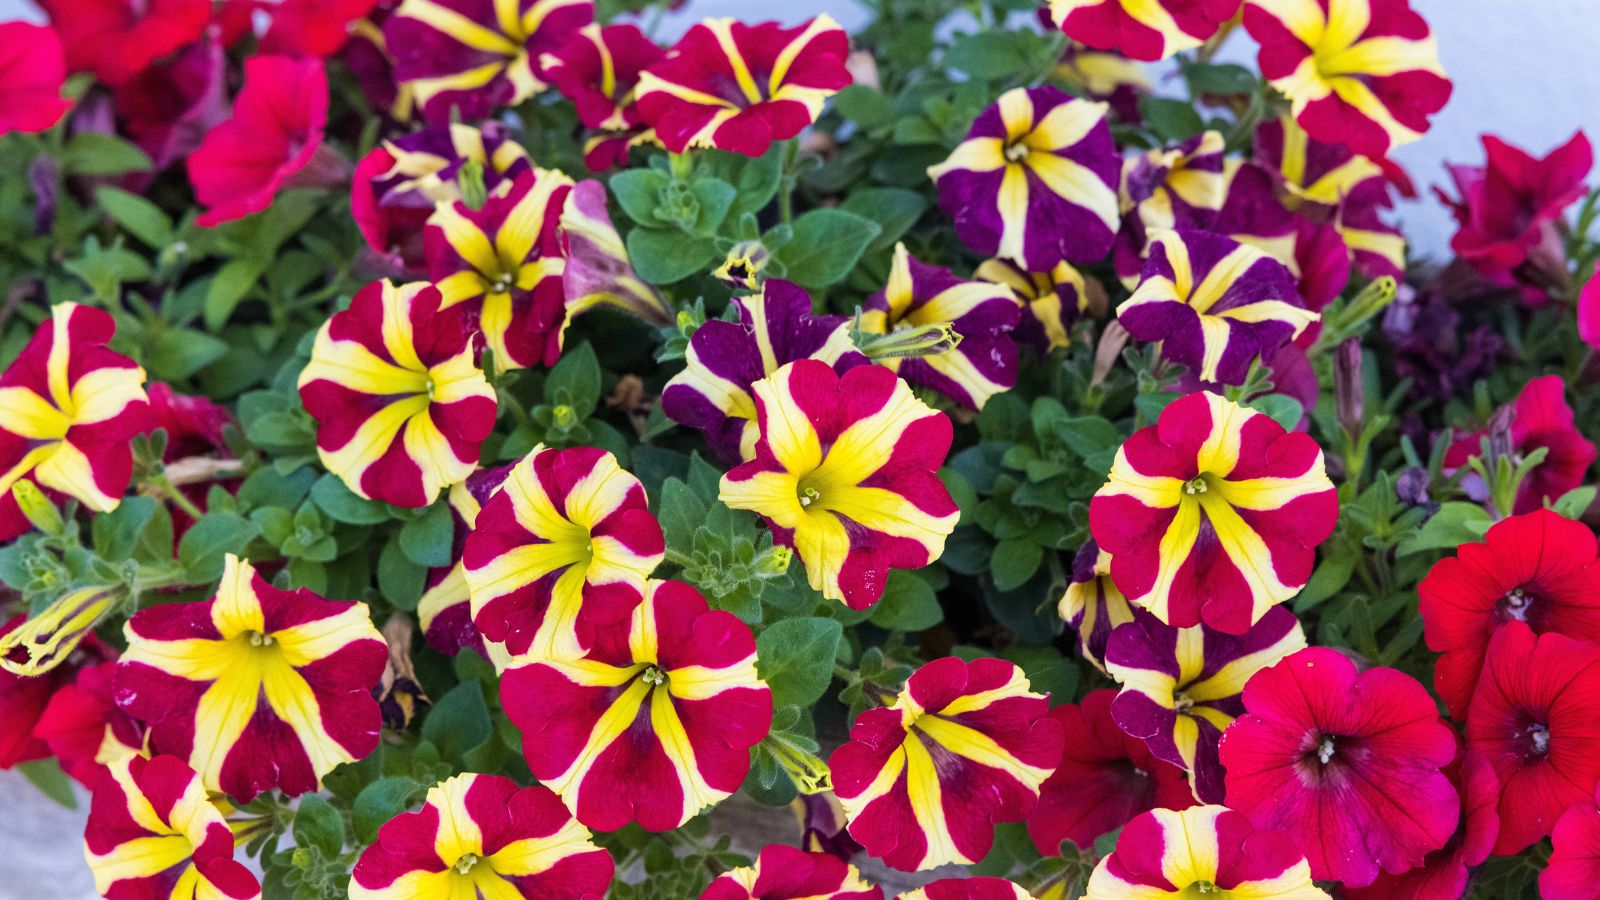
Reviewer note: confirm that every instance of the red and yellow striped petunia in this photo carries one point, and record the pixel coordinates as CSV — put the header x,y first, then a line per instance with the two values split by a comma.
x,y
400,403
654,724
964,745
68,407
1198,851
1146,30
257,687
784,873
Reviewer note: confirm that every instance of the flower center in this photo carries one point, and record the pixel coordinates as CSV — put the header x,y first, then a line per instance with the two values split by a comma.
x,y
1016,152
654,675
1515,605
809,496
1204,887
257,639
1539,738
1197,485
1182,702
1325,749
502,283
466,862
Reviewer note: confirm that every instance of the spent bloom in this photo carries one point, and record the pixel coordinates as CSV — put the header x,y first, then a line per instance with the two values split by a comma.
x,y
400,403
1200,851
598,271
965,745
845,473
784,873
1213,514
1035,181
51,635
257,687
1147,30
24,698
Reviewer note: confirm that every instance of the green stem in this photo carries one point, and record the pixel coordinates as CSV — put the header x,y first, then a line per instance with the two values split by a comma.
x,y
170,490
788,181
678,558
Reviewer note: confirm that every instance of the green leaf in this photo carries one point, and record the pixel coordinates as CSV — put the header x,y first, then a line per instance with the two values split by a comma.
x,y
1329,578
426,541
230,285
137,216
682,513
94,153
1220,78
459,722
46,775
825,247
207,541
895,210
908,604
991,55
1171,120
1455,523
1014,561
117,532
1575,502
758,181
638,192
379,802
179,353
342,505
1048,671
715,197
318,824
664,256
795,658
1283,409
865,106
575,381
400,580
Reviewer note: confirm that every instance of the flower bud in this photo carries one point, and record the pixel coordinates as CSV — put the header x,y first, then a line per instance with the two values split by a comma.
x,y
1349,390
37,507
774,561
924,340
47,639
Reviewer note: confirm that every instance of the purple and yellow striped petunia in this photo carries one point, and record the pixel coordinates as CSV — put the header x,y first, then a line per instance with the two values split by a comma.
x,y
1213,514
444,612
153,832
655,723
504,262
257,687
1175,187
784,873
1364,73
598,271
1052,302
965,745
724,360
561,549
1147,30
483,836
739,87
1092,605
982,314
1182,687
1216,305
845,473
1035,181
1200,851
68,407
400,403
464,59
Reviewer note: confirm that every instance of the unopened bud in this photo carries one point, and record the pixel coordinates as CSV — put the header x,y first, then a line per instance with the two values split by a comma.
x,y
923,340
565,416
474,193
1349,389
47,639
38,508
774,561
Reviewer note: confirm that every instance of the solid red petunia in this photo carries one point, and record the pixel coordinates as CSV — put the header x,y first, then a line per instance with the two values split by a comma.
x,y
1347,764
1536,717
275,133
1105,779
1542,420
118,39
1537,568
32,68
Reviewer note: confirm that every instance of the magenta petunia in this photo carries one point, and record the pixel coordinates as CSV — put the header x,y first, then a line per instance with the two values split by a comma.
x,y
1574,867
32,69
1444,874
119,39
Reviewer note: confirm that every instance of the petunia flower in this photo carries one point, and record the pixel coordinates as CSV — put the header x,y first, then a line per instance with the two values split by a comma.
x,y
1589,312
68,409
981,888
400,403
1213,514
483,836
1359,72
1215,305
444,612
24,698
1538,568
1574,866
784,873
823,826
1105,778
399,183
315,28
1346,764
1108,76
504,261
1532,717
655,724
965,745
32,70
724,361
51,635
1444,873
1198,851
170,107
1035,181
153,832
598,69
1542,419
464,59
1181,687
1052,301
845,473
83,727
1183,186
562,548
257,687
118,39
1092,605
982,314
598,271
273,140
739,87
1508,212
1146,31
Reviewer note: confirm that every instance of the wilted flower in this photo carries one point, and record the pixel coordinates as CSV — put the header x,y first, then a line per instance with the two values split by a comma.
x,y
1147,31
598,271
68,408
1358,72
1199,851
784,873
724,360
1052,302
51,635
483,836
965,745
118,39
171,106
1346,764
1213,514
739,87
23,699
33,67
1099,75
918,295
153,832
1035,181
653,725
400,403
845,473
259,687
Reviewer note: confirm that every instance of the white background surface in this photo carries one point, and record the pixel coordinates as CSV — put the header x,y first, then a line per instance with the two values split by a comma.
x,y
1524,69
